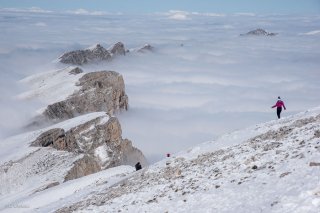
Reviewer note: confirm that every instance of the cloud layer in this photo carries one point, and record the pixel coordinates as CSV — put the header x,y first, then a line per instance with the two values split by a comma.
x,y
203,79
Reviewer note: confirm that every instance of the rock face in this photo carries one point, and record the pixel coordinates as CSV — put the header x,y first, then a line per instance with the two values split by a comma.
x,y
76,71
118,49
80,57
58,139
83,167
98,53
99,91
258,32
99,145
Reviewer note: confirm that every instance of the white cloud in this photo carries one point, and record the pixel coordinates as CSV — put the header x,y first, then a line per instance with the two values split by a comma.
x,y
314,32
81,11
245,14
213,14
178,15
30,10
40,24
185,15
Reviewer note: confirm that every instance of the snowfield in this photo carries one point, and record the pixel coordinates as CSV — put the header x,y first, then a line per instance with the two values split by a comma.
x,y
51,87
25,170
21,143
270,167
265,168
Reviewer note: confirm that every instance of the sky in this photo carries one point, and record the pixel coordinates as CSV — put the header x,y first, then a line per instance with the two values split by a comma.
x,y
149,6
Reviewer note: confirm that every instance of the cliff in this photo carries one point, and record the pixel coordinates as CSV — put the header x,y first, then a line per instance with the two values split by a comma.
x,y
65,151
98,91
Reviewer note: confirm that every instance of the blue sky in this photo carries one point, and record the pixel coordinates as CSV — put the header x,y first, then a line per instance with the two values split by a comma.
x,y
146,6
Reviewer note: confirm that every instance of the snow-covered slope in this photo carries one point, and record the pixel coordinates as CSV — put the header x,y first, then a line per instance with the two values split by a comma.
x,y
25,169
52,86
270,167
34,162
16,147
265,168
44,200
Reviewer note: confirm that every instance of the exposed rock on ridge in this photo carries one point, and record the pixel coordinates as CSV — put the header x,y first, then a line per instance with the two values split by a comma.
x,y
118,49
100,91
258,32
75,71
279,161
99,143
80,57
98,53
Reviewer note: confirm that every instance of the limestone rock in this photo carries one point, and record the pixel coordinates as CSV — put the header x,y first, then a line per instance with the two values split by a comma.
x,y
75,71
258,32
118,49
98,143
314,164
317,134
131,154
83,167
57,139
99,91
80,57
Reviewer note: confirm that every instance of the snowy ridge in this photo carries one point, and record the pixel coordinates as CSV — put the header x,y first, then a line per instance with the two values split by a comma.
x,y
266,168
267,165
50,87
25,169
241,136
21,143
65,193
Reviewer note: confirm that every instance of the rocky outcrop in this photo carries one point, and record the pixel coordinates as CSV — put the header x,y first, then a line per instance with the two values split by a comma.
x,y
258,32
80,57
83,167
99,91
58,139
98,143
146,48
117,49
98,53
75,71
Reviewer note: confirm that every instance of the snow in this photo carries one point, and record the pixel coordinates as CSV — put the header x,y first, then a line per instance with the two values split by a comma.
x,y
28,169
240,136
51,87
92,47
218,177
21,143
102,153
65,193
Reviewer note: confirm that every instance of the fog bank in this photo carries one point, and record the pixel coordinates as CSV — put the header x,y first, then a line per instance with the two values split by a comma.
x,y
202,80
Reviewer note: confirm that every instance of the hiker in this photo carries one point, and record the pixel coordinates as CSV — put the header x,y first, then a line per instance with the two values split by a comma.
x,y
279,106
138,166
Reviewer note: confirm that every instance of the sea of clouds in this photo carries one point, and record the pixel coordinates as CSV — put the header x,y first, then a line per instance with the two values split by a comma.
x,y
202,80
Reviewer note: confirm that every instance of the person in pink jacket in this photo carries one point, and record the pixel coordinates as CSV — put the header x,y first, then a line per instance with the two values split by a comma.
x,y
279,106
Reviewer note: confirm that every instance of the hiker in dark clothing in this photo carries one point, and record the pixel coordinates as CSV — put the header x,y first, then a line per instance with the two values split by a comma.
x,y
279,106
138,166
